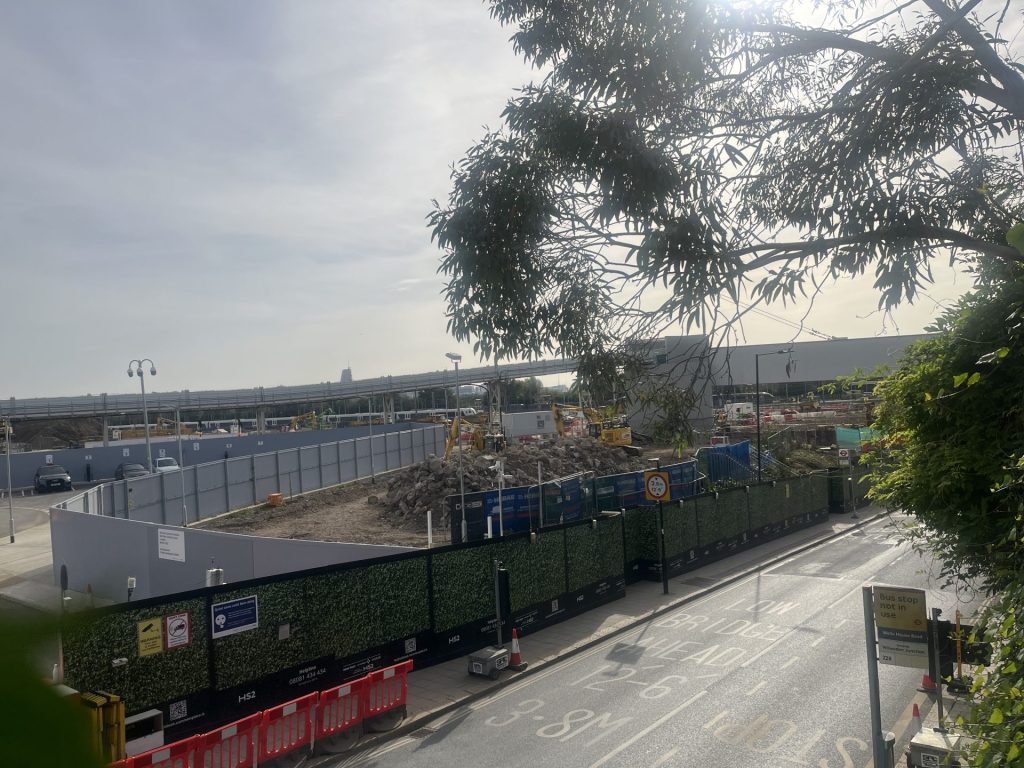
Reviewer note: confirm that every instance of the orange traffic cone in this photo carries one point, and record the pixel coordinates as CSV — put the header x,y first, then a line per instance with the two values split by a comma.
x,y
915,720
927,684
516,663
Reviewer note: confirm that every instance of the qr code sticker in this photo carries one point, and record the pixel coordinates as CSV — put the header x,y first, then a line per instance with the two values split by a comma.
x,y
410,645
179,710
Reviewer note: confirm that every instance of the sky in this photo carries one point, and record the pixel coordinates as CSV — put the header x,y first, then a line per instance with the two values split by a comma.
x,y
239,191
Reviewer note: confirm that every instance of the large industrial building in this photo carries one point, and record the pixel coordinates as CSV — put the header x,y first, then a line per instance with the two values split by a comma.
x,y
786,370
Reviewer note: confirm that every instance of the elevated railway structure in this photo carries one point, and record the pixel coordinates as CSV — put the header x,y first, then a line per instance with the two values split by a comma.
x,y
260,398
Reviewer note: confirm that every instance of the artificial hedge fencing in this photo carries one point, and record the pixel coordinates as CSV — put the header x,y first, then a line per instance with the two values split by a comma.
x,y
320,627
712,525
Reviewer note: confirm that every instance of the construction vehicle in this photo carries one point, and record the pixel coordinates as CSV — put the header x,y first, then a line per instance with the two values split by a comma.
x,y
614,430
309,420
160,428
604,424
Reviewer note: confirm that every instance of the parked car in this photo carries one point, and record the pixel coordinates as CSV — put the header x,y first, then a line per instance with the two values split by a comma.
x,y
128,470
166,464
53,477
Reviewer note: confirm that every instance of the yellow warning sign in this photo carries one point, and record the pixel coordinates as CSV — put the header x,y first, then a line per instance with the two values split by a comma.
x,y
900,608
151,637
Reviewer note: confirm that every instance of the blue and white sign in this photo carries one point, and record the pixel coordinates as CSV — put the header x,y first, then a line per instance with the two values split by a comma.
x,y
234,616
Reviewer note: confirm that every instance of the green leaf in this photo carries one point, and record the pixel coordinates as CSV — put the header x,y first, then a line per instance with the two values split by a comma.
x,y
1012,753
1015,236
974,379
996,718
959,379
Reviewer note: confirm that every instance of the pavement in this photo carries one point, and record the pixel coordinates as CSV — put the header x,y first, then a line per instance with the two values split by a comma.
x,y
26,580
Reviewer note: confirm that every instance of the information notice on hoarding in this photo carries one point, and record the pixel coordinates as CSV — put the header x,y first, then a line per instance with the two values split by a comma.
x,y
901,621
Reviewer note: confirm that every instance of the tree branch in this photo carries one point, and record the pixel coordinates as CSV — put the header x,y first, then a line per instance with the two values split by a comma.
x,y
1013,83
785,251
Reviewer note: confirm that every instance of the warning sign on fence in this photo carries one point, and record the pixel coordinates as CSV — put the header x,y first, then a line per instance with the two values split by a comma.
x,y
151,637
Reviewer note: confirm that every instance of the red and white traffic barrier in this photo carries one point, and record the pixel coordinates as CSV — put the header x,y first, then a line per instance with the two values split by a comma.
x,y
287,727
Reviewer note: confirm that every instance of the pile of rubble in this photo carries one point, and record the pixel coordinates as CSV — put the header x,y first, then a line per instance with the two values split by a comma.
x,y
412,491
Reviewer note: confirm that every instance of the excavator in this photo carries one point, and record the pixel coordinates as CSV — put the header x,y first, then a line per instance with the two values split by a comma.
x,y
160,428
604,424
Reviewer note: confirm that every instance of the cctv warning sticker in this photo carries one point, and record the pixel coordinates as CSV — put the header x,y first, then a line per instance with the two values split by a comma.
x,y
151,637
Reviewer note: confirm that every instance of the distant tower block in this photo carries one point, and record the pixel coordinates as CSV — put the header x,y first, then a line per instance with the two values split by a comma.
x,y
346,375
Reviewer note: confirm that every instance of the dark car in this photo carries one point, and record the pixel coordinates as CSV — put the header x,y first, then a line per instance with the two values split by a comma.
x,y
127,470
53,477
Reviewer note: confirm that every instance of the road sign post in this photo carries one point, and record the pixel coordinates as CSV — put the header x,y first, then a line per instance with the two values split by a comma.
x,y
874,697
900,619
657,488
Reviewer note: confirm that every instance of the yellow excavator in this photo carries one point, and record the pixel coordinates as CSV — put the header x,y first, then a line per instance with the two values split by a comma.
x,y
604,424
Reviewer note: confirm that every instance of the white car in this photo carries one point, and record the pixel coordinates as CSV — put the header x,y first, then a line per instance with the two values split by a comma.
x,y
166,464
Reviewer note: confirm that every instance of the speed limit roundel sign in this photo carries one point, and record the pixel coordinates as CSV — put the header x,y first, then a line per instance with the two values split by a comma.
x,y
656,486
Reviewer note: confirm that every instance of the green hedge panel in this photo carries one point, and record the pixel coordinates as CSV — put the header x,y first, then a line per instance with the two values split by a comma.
x,y
707,520
92,641
536,571
464,585
732,509
642,534
593,554
680,527
760,500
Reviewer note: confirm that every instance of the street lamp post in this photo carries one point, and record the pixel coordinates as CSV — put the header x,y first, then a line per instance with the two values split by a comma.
x,y
757,398
139,371
10,496
455,357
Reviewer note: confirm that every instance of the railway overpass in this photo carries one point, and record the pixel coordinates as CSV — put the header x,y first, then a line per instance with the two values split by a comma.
x,y
259,398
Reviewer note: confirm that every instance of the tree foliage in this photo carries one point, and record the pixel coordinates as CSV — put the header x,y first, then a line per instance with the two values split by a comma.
x,y
953,419
678,155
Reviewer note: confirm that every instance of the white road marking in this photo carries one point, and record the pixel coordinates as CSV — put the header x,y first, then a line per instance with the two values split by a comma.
x,y
817,642
664,758
792,660
757,688
653,726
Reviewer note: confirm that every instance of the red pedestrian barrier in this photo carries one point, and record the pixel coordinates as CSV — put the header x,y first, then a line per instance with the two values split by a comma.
x,y
339,717
287,727
180,754
233,746
384,696
340,708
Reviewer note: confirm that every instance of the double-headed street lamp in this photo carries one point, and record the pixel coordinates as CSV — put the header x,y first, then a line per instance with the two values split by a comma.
x,y
139,371
757,397
455,357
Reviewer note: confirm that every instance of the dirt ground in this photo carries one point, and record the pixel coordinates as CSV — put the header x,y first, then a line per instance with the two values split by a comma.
x,y
344,513
356,512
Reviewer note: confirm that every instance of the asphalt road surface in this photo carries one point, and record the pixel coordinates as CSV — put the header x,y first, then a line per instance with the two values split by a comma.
x,y
30,510
768,671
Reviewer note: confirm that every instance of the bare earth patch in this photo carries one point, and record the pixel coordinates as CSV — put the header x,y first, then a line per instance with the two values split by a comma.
x,y
337,514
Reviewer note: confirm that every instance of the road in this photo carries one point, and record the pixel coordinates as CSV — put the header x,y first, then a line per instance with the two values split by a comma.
x,y
769,671
29,510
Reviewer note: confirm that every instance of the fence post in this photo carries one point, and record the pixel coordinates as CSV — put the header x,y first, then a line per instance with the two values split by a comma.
x,y
320,463
277,470
163,499
252,470
227,488
195,489
337,449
